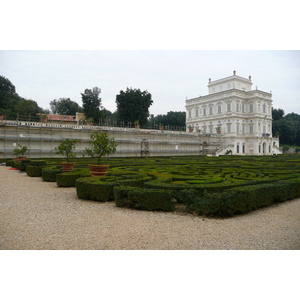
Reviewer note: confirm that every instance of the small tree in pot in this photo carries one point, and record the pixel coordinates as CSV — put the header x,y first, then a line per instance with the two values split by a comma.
x,y
101,145
19,152
66,148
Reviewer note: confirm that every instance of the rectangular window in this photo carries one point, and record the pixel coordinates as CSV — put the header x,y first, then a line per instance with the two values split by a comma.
x,y
228,128
237,107
237,148
251,108
196,112
243,108
237,128
190,114
219,109
243,148
243,129
228,106
228,85
204,111
210,110
250,128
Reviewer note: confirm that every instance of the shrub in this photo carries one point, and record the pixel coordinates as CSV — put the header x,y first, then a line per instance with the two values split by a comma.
x,y
245,199
69,179
102,189
144,199
38,162
9,163
34,171
49,173
22,165
92,188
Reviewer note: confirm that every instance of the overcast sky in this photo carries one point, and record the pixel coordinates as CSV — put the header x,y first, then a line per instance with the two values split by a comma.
x,y
119,44
170,76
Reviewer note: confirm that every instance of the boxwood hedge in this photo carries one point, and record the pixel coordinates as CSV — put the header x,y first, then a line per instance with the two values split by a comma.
x,y
144,199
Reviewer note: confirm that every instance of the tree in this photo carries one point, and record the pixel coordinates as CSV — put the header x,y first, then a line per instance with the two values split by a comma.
x,y
8,98
27,107
289,129
67,147
92,103
101,145
64,106
7,92
173,119
12,105
277,114
133,105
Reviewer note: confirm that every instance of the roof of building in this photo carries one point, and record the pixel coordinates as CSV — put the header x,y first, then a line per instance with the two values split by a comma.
x,y
65,118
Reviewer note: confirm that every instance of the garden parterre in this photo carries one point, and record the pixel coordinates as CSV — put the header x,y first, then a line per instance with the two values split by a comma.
x,y
213,186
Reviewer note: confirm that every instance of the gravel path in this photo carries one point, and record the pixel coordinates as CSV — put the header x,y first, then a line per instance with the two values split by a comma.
x,y
39,215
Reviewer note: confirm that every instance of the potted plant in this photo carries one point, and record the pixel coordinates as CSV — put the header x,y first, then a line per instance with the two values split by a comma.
x,y
90,121
137,124
19,152
101,145
277,134
218,130
161,127
44,118
191,128
66,148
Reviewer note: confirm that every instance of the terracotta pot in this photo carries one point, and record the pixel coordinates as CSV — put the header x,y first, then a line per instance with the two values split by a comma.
x,y
98,170
191,129
137,126
1,117
161,127
67,166
19,158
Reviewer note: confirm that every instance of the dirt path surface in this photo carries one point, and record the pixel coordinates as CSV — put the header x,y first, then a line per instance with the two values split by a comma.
x,y
39,215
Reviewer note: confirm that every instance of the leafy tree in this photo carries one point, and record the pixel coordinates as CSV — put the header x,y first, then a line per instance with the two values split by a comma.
x,y
20,151
289,129
101,145
173,119
67,147
12,105
277,114
64,106
27,107
133,105
92,103
7,92
8,98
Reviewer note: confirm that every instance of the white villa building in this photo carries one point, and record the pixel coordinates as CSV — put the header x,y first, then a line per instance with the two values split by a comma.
x,y
241,116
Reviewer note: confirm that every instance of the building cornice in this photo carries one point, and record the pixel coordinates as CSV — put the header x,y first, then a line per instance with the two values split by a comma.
x,y
230,78
234,93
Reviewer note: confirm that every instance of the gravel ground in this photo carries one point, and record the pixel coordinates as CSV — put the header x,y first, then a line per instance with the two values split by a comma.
x,y
39,215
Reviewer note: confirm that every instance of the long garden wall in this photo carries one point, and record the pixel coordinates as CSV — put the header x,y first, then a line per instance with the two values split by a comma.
x,y
42,138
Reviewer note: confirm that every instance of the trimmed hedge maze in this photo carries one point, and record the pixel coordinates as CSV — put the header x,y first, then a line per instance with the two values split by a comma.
x,y
212,186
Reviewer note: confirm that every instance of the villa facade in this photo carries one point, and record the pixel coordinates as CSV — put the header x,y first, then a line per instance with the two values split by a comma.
x,y
240,115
